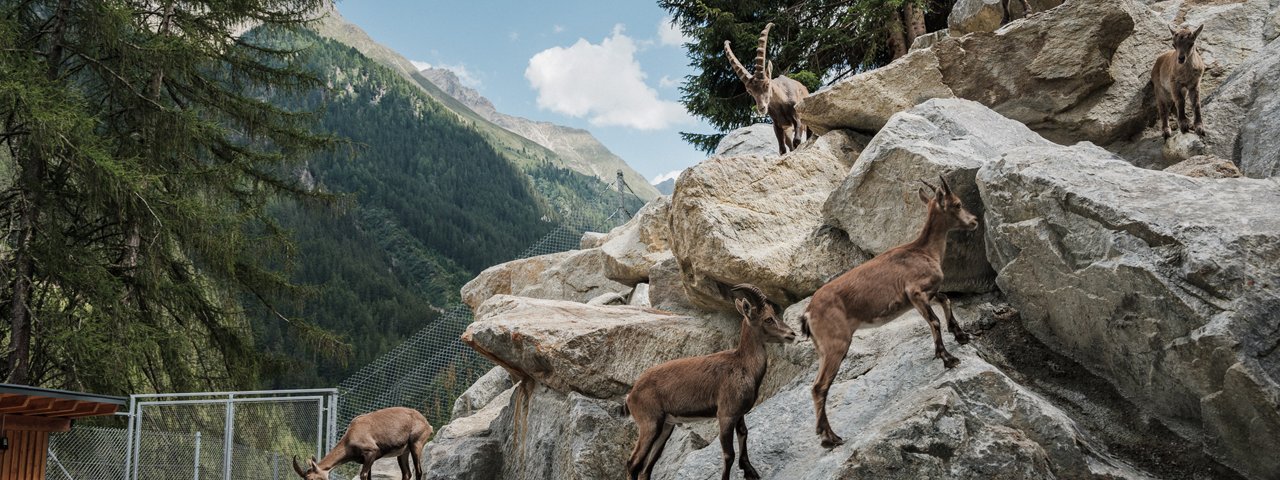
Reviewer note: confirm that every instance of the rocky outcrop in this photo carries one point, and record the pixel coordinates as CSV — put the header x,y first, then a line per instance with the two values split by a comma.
x,y
1242,114
1165,285
555,435
576,275
559,344
468,448
636,246
865,102
754,139
968,16
877,203
906,417
756,220
482,392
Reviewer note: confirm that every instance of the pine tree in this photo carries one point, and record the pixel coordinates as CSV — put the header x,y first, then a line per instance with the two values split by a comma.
x,y
141,160
813,41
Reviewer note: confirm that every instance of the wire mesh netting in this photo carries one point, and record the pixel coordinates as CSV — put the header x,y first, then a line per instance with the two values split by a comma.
x,y
87,453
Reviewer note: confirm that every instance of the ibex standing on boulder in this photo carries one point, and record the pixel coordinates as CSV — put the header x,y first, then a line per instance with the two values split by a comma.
x,y
722,385
1177,74
880,290
777,97
391,432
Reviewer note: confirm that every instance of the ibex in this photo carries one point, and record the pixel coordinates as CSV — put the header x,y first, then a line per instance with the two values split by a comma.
x,y
777,97
723,385
1175,75
1027,11
391,432
878,291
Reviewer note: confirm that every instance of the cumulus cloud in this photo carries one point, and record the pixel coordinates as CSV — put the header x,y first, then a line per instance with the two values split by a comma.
x,y
669,34
667,82
602,82
466,76
666,176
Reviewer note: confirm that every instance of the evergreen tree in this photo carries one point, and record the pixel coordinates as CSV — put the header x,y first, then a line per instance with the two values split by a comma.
x,y
142,160
812,41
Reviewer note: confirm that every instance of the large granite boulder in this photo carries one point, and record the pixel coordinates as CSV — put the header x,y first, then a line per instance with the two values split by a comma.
x,y
865,101
968,16
549,434
877,203
757,220
469,447
1241,116
754,139
481,392
636,246
594,350
1165,285
905,416
575,275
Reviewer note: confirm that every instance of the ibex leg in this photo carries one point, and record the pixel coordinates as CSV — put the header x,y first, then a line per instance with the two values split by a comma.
x,y
655,452
748,471
921,302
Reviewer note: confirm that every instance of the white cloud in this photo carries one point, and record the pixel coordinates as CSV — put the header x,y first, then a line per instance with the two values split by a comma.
x,y
467,77
602,82
667,82
670,34
666,176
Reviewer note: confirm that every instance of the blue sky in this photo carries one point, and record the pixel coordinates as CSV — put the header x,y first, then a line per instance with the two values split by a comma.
x,y
613,68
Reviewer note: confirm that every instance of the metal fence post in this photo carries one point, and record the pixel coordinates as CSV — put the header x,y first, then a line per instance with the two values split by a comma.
x,y
228,433
197,467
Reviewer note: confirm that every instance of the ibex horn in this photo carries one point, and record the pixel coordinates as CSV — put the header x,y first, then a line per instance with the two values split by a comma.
x,y
297,468
945,187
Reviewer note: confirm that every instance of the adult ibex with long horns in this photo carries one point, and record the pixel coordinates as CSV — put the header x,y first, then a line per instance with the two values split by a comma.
x,y
777,97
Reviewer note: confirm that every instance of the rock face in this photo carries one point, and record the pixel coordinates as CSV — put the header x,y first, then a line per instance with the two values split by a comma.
x,y
904,416
968,16
576,275
1167,286
877,203
550,341
865,102
1242,114
636,246
756,220
553,435
468,448
755,139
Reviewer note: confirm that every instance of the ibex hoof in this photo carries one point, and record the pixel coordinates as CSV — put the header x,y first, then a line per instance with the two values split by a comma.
x,y
1167,134
1184,128
950,362
750,474
962,338
832,442
1199,129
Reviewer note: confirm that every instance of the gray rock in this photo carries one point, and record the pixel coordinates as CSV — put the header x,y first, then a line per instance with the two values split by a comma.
x,y
754,139
906,417
636,246
591,240
1167,286
562,344
1240,117
666,287
468,448
929,39
1205,166
968,16
756,220
865,101
609,298
877,203
575,275
640,296
482,392
553,435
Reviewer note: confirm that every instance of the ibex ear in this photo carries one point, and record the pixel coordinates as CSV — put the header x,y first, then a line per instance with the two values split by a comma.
x,y
745,307
1173,30
1197,32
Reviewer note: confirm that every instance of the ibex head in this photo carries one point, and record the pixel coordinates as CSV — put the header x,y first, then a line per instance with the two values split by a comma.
x,y
1184,41
946,203
761,313
313,471
757,83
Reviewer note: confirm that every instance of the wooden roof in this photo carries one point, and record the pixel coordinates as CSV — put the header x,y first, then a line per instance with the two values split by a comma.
x,y
24,401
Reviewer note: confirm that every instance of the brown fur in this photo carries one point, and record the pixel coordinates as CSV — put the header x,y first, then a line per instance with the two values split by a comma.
x,y
879,291
777,97
1175,76
391,432
722,385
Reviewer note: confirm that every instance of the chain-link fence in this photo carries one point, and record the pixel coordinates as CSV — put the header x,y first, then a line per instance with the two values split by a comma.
x,y
87,453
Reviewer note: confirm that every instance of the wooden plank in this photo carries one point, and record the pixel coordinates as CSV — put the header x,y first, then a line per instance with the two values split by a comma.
x,y
13,402
89,409
31,404
25,459
36,424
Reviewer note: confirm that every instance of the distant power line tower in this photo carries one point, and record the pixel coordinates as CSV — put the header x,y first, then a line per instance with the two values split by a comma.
x,y
621,186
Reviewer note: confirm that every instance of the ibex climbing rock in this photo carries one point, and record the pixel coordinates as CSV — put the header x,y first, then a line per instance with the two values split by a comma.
x,y
777,97
1175,76
391,432
880,290
722,385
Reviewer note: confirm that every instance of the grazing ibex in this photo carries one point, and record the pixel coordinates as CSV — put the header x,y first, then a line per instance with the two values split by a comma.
x,y
723,385
1175,75
777,97
880,290
391,432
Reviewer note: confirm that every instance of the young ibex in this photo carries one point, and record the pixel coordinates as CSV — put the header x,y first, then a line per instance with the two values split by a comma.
x,y
880,290
777,97
391,432
1175,75
722,385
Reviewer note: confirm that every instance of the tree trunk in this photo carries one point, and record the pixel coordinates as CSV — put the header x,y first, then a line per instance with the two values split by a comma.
x,y
898,43
915,23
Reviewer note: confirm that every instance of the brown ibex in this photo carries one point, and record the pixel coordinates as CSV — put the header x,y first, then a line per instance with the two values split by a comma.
x,y
777,97
1176,75
723,385
391,432
880,290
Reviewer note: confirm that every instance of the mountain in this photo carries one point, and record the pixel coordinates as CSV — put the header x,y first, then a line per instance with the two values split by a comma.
x,y
581,151
666,187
